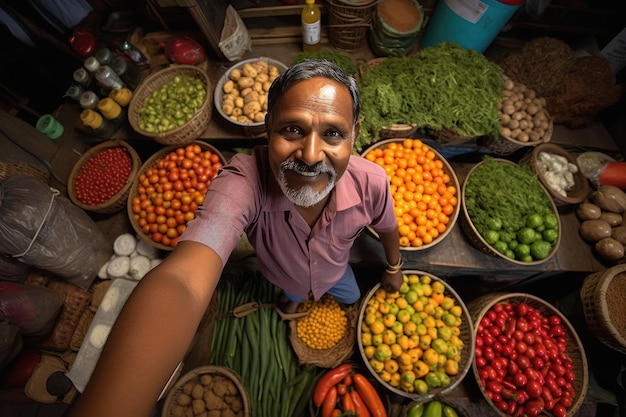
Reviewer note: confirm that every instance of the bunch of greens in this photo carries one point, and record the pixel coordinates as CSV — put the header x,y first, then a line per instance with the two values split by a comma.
x,y
442,87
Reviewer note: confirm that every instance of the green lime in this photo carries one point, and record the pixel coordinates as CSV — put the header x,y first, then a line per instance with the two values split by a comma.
x,y
509,253
540,249
494,223
501,246
522,250
534,220
513,244
551,221
550,235
526,235
506,236
491,236
526,258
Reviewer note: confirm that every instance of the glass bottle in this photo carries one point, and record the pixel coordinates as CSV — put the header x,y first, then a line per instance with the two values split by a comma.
x,y
108,77
89,100
127,71
96,124
311,27
75,91
104,56
92,64
82,77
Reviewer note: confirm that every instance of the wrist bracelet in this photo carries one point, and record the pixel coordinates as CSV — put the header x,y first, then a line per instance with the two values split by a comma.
x,y
392,269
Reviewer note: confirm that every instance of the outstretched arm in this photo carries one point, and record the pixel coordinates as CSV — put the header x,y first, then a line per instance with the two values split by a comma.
x,y
392,277
151,335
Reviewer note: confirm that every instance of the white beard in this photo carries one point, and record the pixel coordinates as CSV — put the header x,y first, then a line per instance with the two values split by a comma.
x,y
305,196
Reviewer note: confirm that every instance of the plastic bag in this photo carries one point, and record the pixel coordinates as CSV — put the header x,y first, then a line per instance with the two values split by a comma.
x,y
33,309
235,39
38,227
13,270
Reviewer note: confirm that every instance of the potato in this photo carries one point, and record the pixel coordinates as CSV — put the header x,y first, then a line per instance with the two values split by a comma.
x,y
588,211
183,399
619,233
610,198
228,86
197,391
251,108
245,82
613,219
249,71
235,74
609,249
198,406
594,230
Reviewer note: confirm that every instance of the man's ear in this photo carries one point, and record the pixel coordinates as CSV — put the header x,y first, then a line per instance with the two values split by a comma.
x,y
357,128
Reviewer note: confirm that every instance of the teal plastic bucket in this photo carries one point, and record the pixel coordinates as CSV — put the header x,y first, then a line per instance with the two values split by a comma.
x,y
472,24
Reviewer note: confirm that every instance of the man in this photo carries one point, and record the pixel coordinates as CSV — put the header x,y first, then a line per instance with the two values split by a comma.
x,y
302,201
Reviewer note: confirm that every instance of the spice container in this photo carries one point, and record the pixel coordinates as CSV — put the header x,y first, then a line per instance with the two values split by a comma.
x,y
121,96
82,77
92,64
49,126
75,91
96,124
104,56
112,111
89,100
108,77
126,71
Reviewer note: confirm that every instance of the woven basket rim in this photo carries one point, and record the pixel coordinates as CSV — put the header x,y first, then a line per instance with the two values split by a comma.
x,y
150,162
194,127
219,92
576,195
467,335
22,168
596,310
328,358
453,179
203,370
115,203
479,306
504,145
480,243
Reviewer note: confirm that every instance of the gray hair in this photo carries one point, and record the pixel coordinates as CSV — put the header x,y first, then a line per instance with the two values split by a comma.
x,y
312,68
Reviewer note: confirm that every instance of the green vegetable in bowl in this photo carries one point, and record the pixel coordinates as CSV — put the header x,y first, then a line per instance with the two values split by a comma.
x,y
511,211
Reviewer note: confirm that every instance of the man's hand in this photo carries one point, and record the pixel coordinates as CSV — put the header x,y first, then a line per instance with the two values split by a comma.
x,y
392,281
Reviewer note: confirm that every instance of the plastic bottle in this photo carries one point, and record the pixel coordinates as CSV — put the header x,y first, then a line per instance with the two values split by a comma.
x,y
112,111
89,100
104,56
108,77
121,96
311,27
97,125
82,77
75,91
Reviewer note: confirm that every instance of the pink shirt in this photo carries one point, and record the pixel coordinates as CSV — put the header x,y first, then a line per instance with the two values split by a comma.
x,y
245,198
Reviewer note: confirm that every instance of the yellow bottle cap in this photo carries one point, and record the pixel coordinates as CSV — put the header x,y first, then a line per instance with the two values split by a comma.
x,y
121,96
91,118
109,108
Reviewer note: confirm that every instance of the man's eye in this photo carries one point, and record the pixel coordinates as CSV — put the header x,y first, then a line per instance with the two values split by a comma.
x,y
293,130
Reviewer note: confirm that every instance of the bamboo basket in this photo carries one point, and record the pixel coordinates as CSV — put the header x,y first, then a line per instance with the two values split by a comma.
x,y
466,335
197,376
326,358
10,169
504,145
151,162
349,22
481,244
581,188
118,201
574,349
597,310
186,133
446,136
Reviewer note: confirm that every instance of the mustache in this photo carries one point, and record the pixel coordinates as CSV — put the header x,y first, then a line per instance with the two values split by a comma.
x,y
307,170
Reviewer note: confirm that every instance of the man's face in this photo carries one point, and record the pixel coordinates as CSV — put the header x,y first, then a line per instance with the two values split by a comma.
x,y
311,135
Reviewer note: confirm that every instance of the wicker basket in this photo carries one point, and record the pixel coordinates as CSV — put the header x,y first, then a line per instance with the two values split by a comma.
x,y
118,201
349,22
447,136
250,129
151,162
207,376
574,349
581,188
75,302
398,131
454,181
186,133
481,244
466,335
594,296
327,358
10,169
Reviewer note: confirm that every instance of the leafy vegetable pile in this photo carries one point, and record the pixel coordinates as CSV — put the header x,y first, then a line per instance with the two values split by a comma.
x,y
510,210
341,59
442,87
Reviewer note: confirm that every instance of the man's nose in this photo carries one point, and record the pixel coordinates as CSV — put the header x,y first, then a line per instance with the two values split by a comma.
x,y
311,152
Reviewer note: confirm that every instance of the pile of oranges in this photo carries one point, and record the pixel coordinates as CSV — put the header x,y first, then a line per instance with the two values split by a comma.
x,y
424,194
